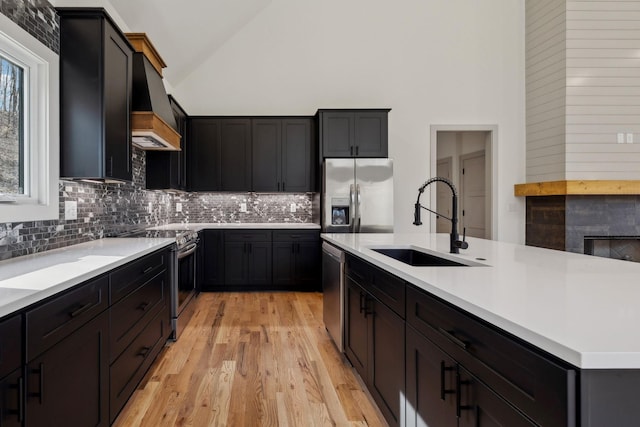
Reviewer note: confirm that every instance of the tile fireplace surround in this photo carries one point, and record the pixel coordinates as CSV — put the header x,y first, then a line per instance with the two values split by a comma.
x,y
562,215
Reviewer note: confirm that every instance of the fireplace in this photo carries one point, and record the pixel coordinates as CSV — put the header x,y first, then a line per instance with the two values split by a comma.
x,y
604,224
617,247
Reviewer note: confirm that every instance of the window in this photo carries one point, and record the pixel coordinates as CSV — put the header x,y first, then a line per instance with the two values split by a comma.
x,y
29,126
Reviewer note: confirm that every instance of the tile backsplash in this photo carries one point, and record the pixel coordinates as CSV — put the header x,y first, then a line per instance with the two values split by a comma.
x,y
107,209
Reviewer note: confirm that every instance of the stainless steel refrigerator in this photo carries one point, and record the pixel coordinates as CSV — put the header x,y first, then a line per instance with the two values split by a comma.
x,y
357,196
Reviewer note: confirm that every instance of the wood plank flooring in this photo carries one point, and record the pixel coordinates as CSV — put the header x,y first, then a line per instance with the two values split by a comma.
x,y
252,359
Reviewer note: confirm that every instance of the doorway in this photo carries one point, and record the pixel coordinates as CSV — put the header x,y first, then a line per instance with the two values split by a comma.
x,y
465,155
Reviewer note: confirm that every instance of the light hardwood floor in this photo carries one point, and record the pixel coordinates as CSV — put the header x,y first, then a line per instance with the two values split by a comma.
x,y
252,359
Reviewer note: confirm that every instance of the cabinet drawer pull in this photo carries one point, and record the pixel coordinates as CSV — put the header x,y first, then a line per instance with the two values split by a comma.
x,y
143,306
443,369
451,336
78,311
144,351
148,269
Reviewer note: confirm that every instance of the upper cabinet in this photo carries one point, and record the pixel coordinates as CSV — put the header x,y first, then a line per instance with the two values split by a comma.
x,y
95,95
167,170
220,155
354,133
282,154
264,154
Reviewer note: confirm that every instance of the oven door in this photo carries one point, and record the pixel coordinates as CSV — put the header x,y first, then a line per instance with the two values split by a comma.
x,y
186,280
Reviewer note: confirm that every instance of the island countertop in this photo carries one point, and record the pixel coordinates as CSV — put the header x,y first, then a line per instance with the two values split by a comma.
x,y
29,279
582,309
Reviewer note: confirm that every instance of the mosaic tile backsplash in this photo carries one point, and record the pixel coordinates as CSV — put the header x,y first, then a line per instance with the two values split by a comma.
x,y
108,209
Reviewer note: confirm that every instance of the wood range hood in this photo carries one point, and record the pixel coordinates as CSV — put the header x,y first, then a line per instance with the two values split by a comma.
x,y
152,122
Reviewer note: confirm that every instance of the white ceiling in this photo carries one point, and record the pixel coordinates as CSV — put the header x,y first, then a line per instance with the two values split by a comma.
x,y
185,33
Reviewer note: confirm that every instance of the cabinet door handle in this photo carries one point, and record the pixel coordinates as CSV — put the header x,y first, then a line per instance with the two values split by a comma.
x,y
278,186
451,336
361,302
351,150
250,248
459,406
293,248
40,394
443,369
283,188
78,311
21,399
357,149
148,269
368,312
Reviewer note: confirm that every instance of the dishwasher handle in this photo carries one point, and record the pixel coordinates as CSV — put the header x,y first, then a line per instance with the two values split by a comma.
x,y
333,252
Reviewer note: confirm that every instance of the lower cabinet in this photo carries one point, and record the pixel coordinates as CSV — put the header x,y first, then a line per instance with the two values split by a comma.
x,y
211,266
86,349
260,259
440,392
12,399
68,385
374,343
247,256
295,259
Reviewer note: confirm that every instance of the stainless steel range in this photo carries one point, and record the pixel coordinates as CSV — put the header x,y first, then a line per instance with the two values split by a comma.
x,y
183,271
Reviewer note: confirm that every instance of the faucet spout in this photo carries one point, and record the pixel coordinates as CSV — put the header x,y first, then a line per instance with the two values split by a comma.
x,y
454,238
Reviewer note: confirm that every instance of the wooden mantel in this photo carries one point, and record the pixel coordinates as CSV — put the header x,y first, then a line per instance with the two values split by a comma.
x,y
585,187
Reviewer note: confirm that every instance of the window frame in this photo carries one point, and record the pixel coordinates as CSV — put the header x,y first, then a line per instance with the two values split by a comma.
x,y
41,126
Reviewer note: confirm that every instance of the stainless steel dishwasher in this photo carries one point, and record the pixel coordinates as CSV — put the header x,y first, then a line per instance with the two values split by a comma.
x,y
333,291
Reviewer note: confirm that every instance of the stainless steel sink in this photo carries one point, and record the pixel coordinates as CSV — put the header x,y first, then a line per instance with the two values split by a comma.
x,y
418,258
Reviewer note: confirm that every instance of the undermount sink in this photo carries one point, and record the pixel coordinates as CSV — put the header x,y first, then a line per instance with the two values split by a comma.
x,y
418,258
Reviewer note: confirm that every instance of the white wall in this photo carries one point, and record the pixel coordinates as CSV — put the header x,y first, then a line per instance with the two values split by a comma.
x,y
432,62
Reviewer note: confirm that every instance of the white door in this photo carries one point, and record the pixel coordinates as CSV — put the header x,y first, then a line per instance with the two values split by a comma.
x,y
473,194
443,195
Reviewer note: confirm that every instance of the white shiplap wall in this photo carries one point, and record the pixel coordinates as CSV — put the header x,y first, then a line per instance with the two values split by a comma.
x,y
583,88
545,89
603,89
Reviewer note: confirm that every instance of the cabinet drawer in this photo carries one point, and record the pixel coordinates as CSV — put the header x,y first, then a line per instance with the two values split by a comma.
x,y
388,288
54,320
10,344
538,385
129,277
127,371
296,235
130,315
247,235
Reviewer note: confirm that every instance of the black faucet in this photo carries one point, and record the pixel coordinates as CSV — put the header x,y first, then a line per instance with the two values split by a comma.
x,y
454,243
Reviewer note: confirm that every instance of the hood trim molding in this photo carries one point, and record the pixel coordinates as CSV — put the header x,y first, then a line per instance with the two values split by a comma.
x,y
142,44
148,125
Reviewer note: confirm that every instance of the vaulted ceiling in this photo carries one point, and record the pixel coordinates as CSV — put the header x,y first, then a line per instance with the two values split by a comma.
x,y
185,33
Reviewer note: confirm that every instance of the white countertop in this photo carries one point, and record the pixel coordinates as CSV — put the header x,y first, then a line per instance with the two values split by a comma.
x,y
243,225
580,308
31,278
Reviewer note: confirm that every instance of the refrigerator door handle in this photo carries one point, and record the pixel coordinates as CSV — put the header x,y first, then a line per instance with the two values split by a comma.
x,y
352,208
358,212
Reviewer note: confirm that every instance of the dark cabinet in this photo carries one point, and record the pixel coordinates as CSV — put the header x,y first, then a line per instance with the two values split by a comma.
x,y
68,385
212,264
354,133
235,154
167,170
296,258
11,377
203,156
219,158
248,258
441,392
374,343
95,96
282,154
